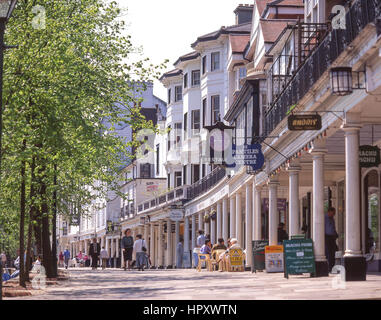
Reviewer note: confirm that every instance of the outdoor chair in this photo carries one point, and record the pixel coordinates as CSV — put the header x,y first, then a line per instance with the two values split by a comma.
x,y
236,258
215,260
204,257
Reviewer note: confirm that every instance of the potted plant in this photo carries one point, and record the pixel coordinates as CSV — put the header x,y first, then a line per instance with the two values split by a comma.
x,y
213,214
206,218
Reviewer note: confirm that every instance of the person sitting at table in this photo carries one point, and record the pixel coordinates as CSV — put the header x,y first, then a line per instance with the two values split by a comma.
x,y
218,246
225,256
207,247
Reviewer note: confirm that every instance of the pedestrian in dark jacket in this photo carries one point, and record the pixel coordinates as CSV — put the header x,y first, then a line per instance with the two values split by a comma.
x,y
127,247
95,250
282,234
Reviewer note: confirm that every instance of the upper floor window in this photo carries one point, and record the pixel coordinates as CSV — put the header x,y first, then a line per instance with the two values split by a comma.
x,y
204,101
215,108
178,129
169,138
195,78
196,121
178,93
215,61
157,159
203,65
169,96
178,179
185,81
185,124
145,170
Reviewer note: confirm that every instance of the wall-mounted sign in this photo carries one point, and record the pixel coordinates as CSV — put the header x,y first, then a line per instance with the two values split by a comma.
x,y
369,156
176,215
248,155
304,122
281,204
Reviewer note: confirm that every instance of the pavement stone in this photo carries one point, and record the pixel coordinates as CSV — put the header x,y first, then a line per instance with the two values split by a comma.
x,y
116,284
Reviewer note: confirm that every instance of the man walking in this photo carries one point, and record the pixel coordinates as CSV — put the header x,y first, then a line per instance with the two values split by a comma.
x,y
140,249
66,256
330,237
94,252
199,243
104,257
127,248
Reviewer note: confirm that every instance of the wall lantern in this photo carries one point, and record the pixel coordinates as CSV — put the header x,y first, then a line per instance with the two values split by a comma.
x,y
342,80
6,9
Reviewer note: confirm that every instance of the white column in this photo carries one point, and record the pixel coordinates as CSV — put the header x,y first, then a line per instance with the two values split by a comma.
x,y
152,243
117,248
169,243
194,238
249,223
238,206
225,221
352,187
257,213
146,233
273,212
232,218
207,227
112,248
318,233
186,235
160,260
201,221
294,225
213,229
219,220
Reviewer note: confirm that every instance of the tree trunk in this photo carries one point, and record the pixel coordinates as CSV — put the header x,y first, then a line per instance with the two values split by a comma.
x,y
46,246
54,226
31,217
22,221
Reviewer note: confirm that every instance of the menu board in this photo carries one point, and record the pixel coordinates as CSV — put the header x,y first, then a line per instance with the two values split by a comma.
x,y
274,259
299,256
258,261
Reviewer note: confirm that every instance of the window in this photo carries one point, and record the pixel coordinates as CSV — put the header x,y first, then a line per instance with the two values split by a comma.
x,y
203,170
195,78
185,175
215,61
169,181
178,179
185,81
195,121
241,74
157,159
178,127
178,93
203,65
195,172
169,138
215,109
185,124
249,121
145,170
169,96
204,101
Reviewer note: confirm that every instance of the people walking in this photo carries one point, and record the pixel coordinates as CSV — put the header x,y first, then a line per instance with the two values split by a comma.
x,y
140,249
66,257
180,253
330,237
199,243
3,259
127,248
61,259
94,253
104,257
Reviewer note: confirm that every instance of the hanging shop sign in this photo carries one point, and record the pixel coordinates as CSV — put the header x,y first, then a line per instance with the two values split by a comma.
x,y
142,221
369,156
274,259
281,204
249,155
299,257
304,122
258,261
176,215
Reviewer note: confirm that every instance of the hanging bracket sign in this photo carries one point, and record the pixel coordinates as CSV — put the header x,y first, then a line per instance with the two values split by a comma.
x,y
249,155
176,215
304,122
369,156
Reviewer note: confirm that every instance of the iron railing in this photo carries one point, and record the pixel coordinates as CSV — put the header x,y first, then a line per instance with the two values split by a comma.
x,y
361,13
206,183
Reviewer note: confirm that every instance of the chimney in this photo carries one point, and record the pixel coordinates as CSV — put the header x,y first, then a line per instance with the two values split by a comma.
x,y
243,13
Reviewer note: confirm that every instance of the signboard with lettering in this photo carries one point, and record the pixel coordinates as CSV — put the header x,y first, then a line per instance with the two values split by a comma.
x,y
304,122
142,221
249,155
281,203
274,259
299,256
258,261
369,156
176,215
236,257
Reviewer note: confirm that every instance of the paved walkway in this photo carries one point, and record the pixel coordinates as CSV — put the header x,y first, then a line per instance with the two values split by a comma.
x,y
117,284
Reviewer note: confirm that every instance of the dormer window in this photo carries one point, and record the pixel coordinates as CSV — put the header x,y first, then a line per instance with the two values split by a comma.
x,y
215,61
178,93
195,78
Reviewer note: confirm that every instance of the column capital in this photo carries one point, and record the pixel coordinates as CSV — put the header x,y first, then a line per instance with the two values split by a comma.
x,y
350,129
273,182
318,147
294,166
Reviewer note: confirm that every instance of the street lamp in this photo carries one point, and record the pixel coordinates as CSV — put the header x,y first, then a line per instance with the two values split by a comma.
x,y
6,9
341,81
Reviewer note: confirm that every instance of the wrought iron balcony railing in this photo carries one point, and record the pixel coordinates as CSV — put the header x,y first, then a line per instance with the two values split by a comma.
x,y
361,13
206,183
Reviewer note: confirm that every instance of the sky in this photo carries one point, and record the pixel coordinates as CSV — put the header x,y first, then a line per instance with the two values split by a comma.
x,y
166,28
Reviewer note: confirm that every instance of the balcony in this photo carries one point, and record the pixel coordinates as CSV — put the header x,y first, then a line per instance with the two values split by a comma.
x,y
318,61
206,183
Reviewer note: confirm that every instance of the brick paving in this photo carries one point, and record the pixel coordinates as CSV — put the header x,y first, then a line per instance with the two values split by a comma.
x,y
116,284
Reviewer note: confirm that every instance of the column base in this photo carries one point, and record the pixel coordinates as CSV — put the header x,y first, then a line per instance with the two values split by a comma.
x,y
247,268
355,268
169,267
153,267
321,268
160,267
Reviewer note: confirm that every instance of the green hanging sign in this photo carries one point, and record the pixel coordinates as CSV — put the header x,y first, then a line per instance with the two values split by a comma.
x,y
369,156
